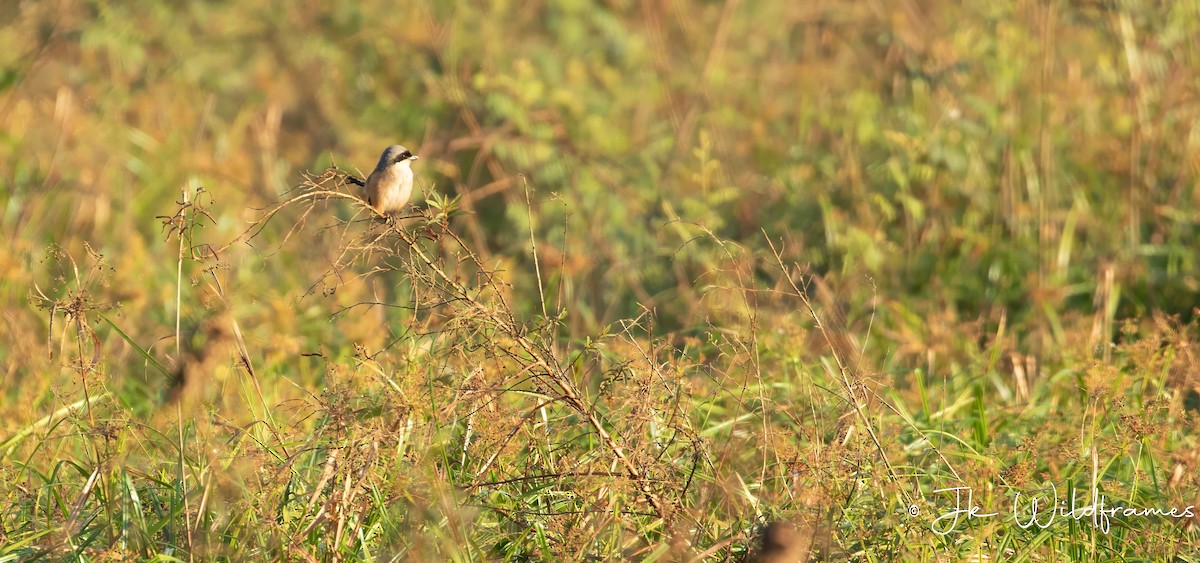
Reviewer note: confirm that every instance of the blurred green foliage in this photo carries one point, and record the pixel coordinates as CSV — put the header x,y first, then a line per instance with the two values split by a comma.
x,y
986,156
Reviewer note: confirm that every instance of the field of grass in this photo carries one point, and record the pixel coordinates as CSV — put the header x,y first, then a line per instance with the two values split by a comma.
x,y
687,280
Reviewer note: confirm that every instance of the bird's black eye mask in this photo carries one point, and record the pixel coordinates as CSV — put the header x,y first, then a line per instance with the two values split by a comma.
x,y
404,156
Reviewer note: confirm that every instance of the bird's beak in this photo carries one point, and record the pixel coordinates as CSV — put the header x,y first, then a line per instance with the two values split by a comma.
x,y
414,157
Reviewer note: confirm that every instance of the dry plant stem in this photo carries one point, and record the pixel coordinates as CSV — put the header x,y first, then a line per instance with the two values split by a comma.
x,y
179,275
320,516
546,362
312,196
208,486
179,355
537,267
843,367
80,503
187,511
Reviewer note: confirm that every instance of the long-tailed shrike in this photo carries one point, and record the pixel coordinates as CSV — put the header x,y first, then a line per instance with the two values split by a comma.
x,y
390,185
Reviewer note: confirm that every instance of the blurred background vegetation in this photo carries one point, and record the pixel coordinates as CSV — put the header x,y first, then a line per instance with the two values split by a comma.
x,y
970,159
953,170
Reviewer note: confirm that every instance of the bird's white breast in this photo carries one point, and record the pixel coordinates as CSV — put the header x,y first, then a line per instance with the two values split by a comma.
x,y
393,188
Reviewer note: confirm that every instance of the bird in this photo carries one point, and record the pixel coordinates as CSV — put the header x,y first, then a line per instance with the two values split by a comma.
x,y
389,187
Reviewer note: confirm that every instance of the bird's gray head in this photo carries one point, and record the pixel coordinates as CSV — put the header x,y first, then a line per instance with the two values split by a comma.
x,y
394,154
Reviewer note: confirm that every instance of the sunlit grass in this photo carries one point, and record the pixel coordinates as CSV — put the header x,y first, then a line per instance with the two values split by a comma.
x,y
697,274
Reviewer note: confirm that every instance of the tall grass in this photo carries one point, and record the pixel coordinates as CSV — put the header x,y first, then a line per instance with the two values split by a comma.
x,y
693,280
